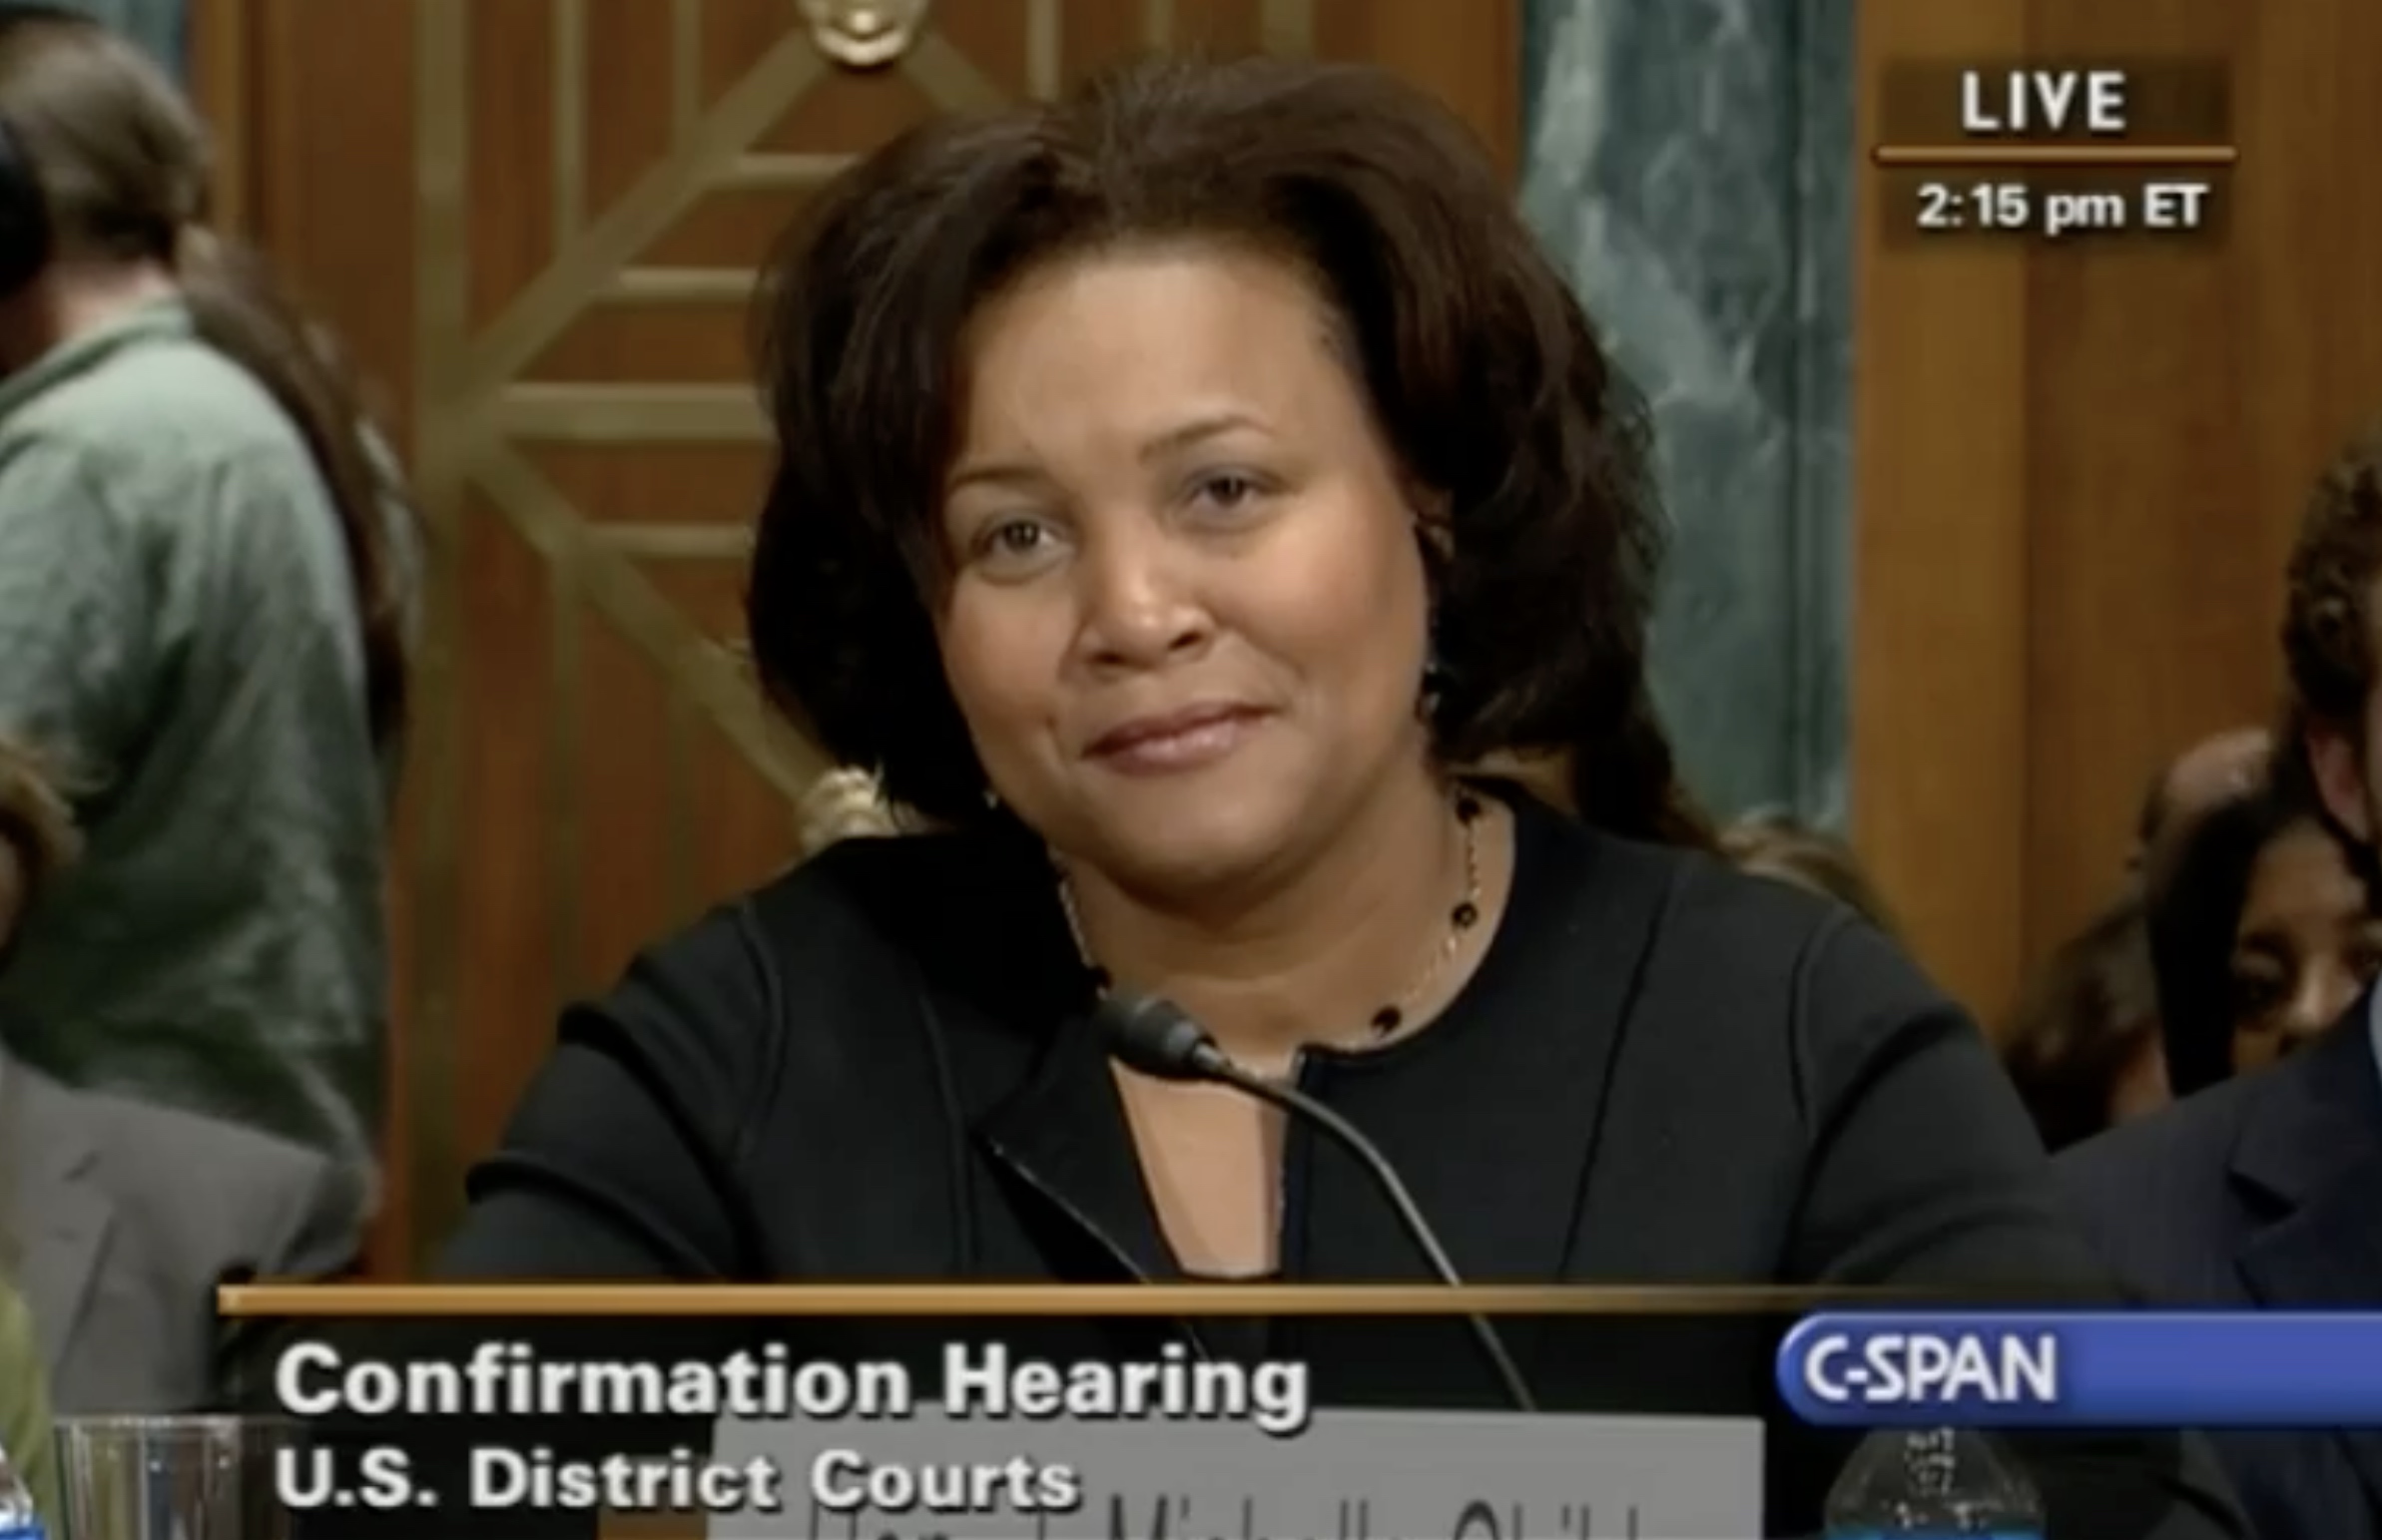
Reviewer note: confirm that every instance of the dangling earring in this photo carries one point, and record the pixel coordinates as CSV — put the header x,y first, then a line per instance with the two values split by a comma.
x,y
1432,538
1435,673
991,799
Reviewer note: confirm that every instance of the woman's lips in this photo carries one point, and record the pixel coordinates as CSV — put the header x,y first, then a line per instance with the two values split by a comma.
x,y
1186,740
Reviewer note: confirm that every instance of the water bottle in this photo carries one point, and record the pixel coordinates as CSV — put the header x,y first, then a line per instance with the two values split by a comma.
x,y
18,1520
1933,1484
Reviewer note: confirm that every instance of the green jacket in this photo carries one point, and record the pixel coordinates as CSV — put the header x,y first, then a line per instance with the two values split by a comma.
x,y
178,626
25,1429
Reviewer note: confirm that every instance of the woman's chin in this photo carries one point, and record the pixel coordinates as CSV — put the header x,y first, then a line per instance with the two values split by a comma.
x,y
1198,850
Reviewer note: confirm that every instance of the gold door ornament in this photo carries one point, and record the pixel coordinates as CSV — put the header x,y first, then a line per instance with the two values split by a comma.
x,y
862,34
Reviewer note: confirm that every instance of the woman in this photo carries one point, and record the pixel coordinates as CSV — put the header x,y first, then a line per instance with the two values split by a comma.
x,y
2084,1043
2261,932
1172,483
202,579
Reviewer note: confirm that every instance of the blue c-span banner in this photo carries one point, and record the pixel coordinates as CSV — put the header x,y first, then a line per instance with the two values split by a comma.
x,y
2078,1369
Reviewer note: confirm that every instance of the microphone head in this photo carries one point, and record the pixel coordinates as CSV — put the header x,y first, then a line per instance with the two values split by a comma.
x,y
1156,1037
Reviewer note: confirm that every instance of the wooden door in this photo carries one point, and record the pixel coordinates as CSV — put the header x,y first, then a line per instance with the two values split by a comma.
x,y
537,221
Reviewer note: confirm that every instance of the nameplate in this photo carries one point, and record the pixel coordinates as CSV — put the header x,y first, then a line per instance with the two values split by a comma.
x,y
1348,1475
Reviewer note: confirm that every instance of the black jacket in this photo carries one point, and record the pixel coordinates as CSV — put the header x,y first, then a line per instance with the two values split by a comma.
x,y
1662,1072
2265,1191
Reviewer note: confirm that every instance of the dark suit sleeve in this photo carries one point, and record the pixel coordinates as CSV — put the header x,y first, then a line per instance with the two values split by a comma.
x,y
619,1162
1924,1172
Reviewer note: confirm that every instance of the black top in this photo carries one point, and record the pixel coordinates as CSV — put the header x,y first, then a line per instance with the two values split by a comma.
x,y
1663,1072
2260,1193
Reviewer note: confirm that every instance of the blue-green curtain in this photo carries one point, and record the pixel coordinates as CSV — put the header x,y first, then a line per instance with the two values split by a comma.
x,y
1690,162
161,26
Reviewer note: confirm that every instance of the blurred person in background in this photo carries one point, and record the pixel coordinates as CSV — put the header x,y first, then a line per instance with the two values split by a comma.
x,y
2259,1188
2261,932
2082,1043
119,1217
205,577
1778,846
1176,488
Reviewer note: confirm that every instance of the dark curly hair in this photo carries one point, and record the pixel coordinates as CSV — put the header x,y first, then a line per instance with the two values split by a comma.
x,y
1478,361
2336,564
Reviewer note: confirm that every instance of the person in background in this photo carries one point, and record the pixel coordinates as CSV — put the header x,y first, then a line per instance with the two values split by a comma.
x,y
1176,488
2261,932
1778,846
204,578
2082,1045
26,1433
119,1217
2258,1190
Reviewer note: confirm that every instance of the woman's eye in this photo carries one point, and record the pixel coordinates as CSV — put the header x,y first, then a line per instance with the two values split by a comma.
x,y
2255,994
1225,489
1014,548
1007,541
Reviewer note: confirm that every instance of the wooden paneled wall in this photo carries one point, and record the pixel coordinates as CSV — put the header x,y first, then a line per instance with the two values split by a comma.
x,y
2079,469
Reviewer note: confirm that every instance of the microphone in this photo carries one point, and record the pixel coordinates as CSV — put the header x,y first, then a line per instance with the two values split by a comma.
x,y
1160,1039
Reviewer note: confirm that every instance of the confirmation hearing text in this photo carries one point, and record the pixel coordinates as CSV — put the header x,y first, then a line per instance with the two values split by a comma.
x,y
315,1380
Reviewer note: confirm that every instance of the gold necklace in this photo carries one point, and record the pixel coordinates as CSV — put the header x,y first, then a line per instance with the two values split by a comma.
x,y
1461,917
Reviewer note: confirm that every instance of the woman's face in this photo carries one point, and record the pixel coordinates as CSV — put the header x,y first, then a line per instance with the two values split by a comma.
x,y
1187,618
2303,949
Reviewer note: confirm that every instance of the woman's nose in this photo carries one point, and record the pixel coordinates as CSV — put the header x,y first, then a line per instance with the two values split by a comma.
x,y
2324,993
1139,603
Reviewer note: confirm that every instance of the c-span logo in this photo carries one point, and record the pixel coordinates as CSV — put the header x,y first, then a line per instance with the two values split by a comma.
x,y
1884,1370
2086,1368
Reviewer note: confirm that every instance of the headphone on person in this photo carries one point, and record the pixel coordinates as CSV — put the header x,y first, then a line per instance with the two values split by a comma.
x,y
26,238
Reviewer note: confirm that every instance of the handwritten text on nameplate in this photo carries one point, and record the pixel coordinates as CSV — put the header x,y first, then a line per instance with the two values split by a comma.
x,y
1350,1476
